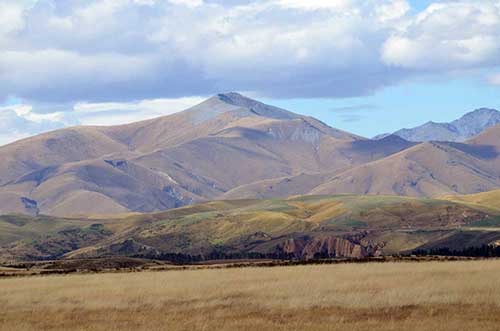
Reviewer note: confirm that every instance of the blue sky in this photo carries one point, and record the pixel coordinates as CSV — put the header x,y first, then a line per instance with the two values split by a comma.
x,y
419,5
365,66
402,106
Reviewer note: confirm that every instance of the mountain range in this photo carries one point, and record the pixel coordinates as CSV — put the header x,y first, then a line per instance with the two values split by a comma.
x,y
460,130
233,147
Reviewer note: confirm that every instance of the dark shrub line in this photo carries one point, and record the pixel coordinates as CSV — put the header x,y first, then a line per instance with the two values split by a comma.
x,y
477,251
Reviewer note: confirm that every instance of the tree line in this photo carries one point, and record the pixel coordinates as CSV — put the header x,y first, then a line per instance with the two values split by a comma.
x,y
473,251
182,258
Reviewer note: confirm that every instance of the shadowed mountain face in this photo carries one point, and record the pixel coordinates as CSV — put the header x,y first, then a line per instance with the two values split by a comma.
x,y
195,155
460,130
427,169
421,170
229,146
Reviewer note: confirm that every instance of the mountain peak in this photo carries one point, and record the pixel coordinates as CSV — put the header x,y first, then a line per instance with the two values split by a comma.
x,y
237,99
479,113
234,98
466,127
237,104
484,110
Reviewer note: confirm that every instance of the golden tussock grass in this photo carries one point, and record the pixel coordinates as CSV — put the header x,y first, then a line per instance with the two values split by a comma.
x,y
385,296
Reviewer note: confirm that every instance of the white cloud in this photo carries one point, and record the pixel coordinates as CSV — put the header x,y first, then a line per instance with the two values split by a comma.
x,y
11,20
123,50
115,113
25,112
19,121
393,10
448,36
108,50
189,3
316,4
61,73
11,16
494,79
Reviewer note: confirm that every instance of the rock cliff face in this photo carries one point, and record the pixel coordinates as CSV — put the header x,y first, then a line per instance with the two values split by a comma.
x,y
330,246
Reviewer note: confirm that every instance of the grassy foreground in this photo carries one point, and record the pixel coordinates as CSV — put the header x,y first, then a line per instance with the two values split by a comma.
x,y
386,296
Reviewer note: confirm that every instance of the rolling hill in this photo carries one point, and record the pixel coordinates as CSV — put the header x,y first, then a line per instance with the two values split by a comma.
x,y
422,170
488,200
427,169
301,227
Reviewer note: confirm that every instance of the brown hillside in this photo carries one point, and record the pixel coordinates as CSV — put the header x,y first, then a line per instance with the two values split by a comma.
x,y
223,143
428,169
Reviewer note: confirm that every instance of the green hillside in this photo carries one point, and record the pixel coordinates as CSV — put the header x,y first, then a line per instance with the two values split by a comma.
x,y
302,227
490,200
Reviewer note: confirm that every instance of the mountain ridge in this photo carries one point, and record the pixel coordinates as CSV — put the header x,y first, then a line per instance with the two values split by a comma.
x,y
227,147
459,130
190,156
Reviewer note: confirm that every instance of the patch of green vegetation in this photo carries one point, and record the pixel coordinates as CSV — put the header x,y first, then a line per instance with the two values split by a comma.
x,y
17,220
317,198
191,219
345,222
217,242
352,223
363,203
275,205
182,241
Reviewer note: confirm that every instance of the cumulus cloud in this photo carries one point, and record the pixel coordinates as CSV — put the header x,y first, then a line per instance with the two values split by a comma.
x,y
11,18
317,4
60,55
114,113
448,36
129,49
123,50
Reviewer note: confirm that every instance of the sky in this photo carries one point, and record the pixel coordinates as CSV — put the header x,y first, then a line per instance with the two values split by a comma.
x,y
365,66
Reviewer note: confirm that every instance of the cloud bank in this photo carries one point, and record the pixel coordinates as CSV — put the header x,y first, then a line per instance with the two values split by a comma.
x,y
122,50
63,53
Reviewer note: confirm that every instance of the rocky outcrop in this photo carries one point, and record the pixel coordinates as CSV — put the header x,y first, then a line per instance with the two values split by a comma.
x,y
328,246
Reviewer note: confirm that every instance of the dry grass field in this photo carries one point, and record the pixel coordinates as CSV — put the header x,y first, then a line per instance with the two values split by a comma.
x,y
373,296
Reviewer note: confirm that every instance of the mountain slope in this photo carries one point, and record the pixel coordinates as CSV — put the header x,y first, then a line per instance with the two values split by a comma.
x,y
361,150
199,154
231,147
468,126
489,200
53,148
428,169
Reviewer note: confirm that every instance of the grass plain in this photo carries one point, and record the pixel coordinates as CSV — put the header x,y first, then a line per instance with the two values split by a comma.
x,y
383,296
